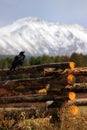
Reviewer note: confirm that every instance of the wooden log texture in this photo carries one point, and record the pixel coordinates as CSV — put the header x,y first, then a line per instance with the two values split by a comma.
x,y
77,87
37,83
79,102
34,68
23,98
58,82
80,71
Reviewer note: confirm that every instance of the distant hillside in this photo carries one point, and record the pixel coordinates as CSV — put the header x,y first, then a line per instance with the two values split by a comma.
x,y
37,37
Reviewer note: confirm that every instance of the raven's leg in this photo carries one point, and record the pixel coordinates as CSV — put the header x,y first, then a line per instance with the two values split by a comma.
x,y
13,67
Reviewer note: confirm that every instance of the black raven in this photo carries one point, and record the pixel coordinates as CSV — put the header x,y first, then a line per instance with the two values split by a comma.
x,y
18,61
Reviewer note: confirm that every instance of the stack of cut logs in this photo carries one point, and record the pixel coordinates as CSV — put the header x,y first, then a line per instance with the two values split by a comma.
x,y
54,81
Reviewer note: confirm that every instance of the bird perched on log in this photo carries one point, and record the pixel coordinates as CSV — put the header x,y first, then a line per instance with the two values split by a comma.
x,y
18,61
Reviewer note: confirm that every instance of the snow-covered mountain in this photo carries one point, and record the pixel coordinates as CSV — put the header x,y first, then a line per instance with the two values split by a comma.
x,y
38,37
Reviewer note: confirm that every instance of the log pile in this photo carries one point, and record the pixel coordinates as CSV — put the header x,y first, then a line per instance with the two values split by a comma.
x,y
46,85
57,81
56,77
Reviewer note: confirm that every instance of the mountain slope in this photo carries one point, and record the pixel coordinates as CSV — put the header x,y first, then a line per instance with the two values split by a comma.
x,y
38,37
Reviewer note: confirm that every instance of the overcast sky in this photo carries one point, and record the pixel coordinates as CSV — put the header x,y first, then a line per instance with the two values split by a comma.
x,y
60,11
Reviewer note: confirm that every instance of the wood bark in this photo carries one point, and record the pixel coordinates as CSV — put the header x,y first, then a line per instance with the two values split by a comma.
x,y
78,71
36,83
21,99
34,68
79,102
77,87
58,82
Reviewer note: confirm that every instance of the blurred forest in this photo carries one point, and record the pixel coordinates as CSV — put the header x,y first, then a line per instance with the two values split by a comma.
x,y
79,59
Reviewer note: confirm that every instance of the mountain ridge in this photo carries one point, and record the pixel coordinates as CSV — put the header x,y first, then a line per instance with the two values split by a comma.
x,y
37,37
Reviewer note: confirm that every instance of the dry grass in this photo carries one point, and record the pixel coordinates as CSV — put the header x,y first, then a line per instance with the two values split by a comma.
x,y
73,122
68,121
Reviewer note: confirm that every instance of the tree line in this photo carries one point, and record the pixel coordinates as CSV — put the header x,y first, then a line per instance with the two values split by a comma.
x,y
79,58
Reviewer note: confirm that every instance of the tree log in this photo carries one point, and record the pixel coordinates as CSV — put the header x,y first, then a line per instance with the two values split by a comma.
x,y
77,87
41,82
34,68
79,102
21,99
75,71
78,71
57,83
